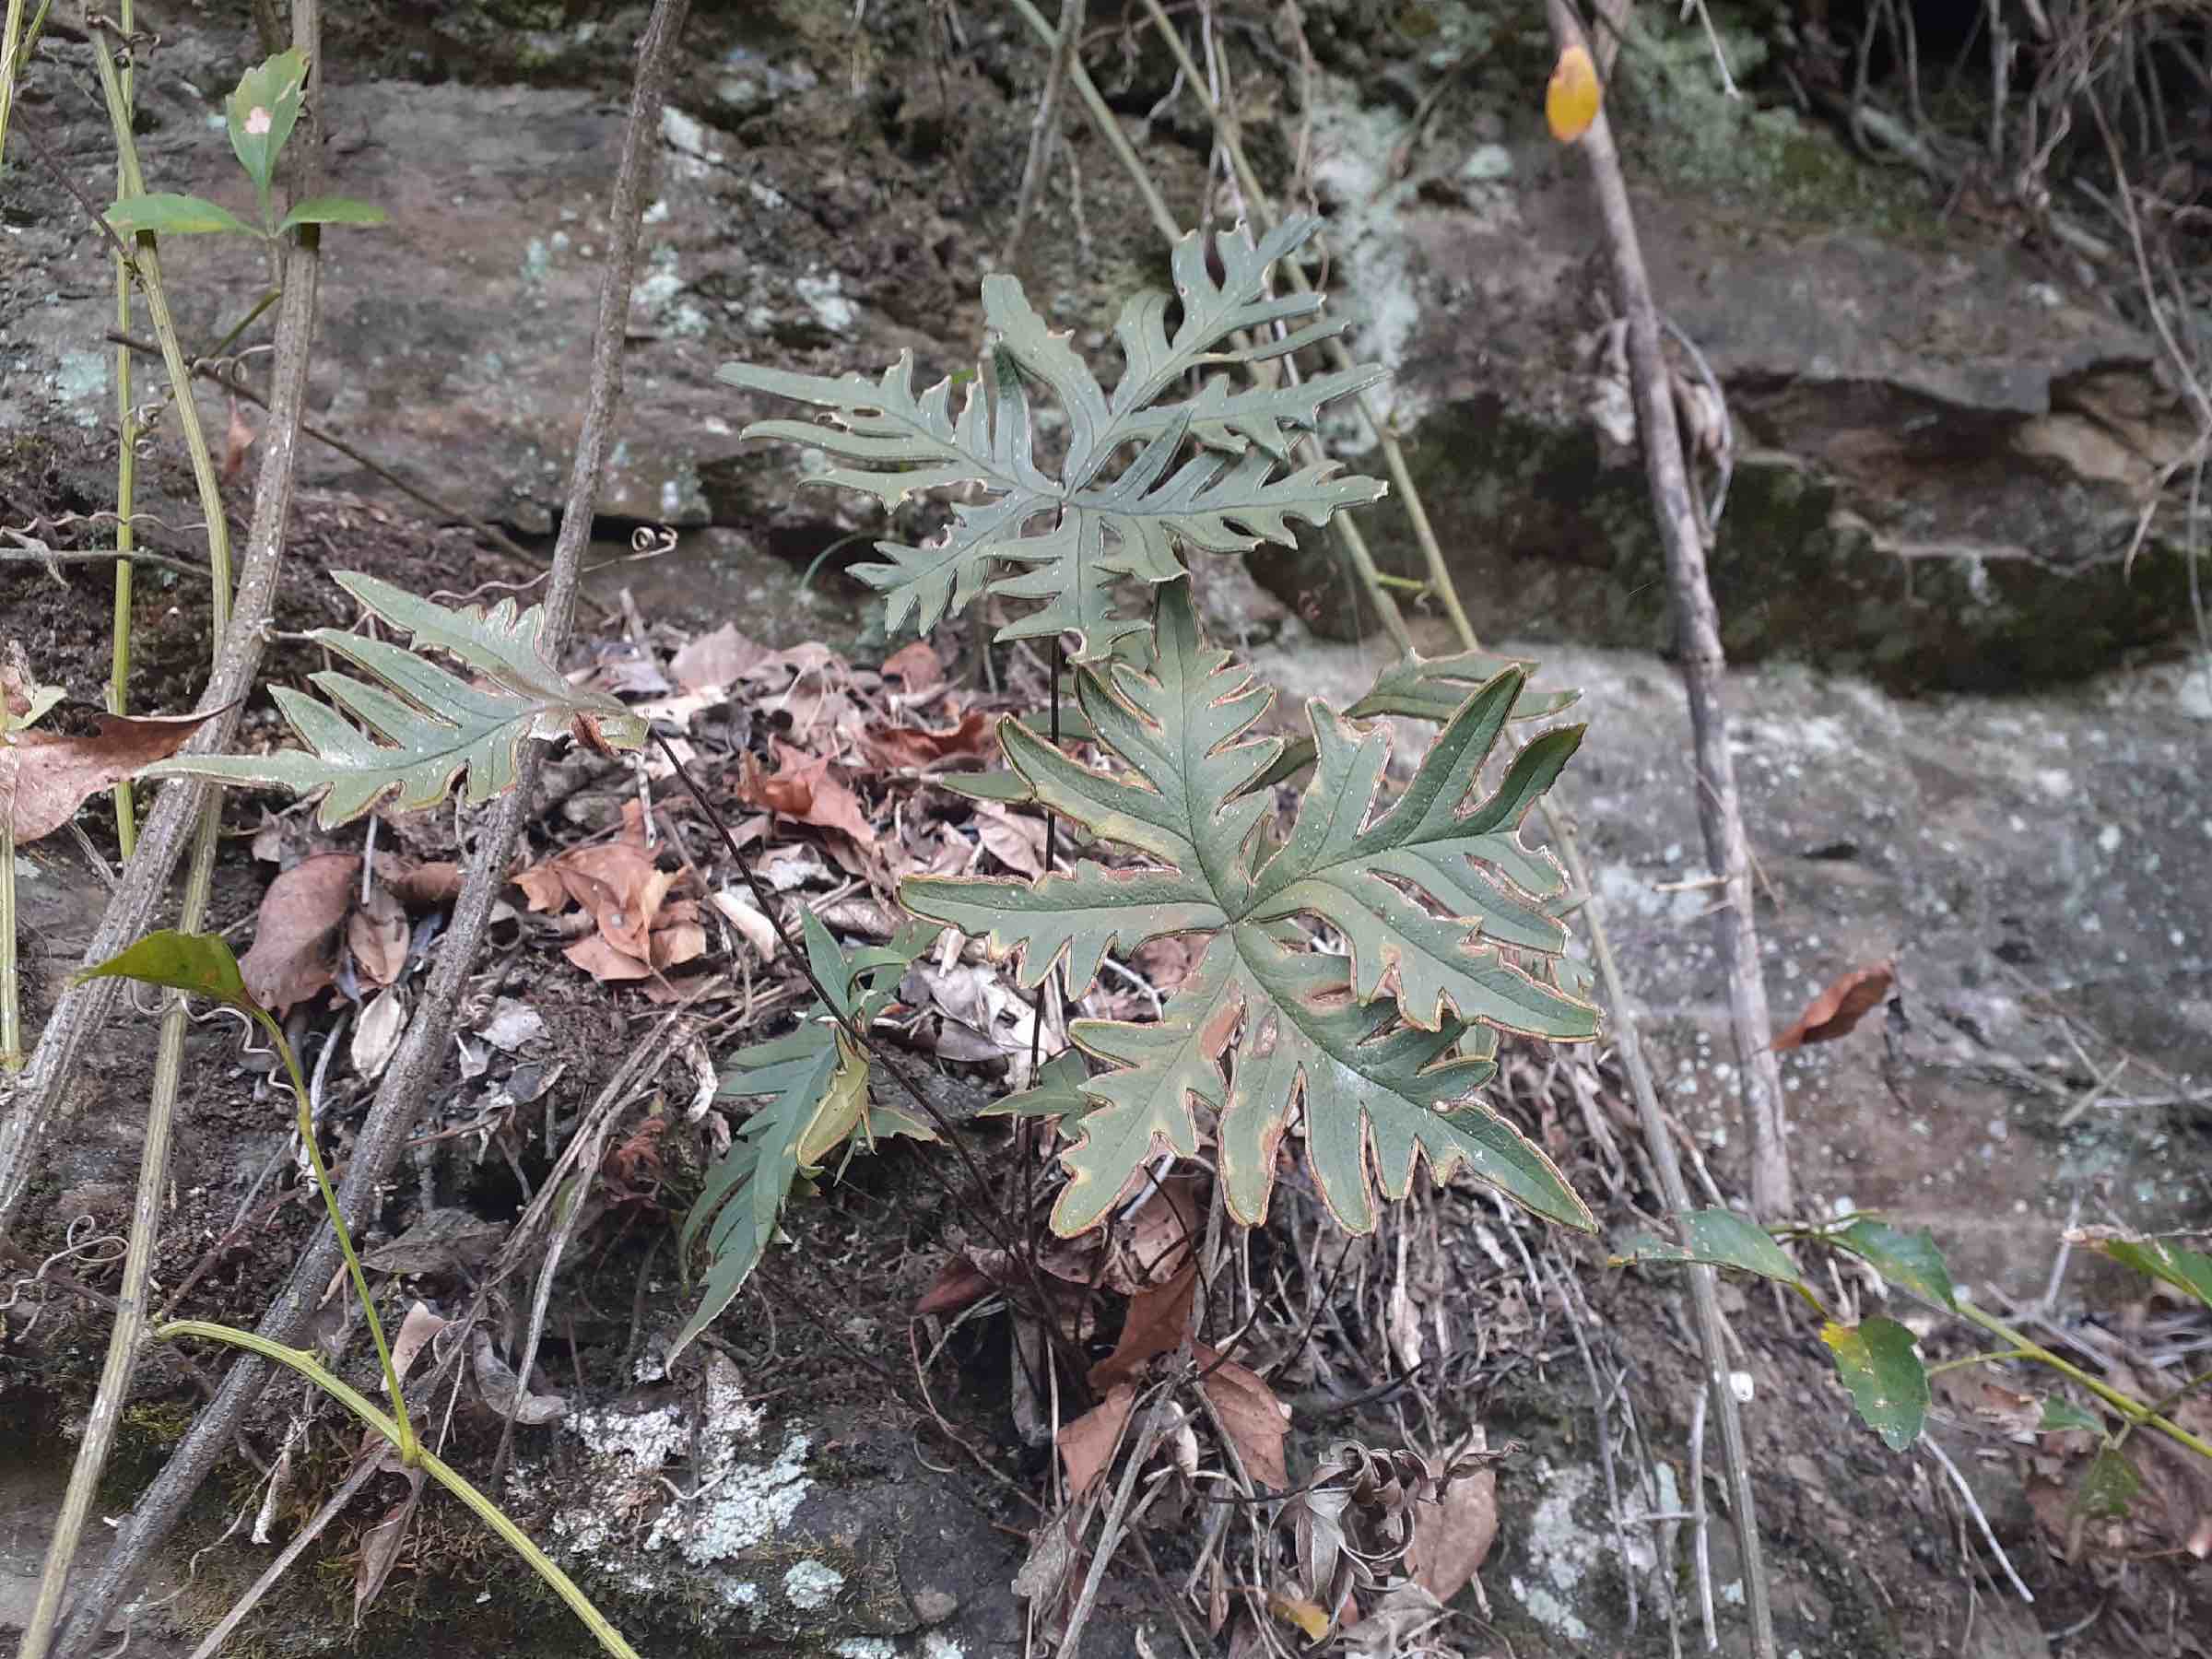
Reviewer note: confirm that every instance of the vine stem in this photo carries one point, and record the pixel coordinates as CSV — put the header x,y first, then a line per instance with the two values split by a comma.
x,y
413,1075
126,488
2133,1411
116,1371
303,1361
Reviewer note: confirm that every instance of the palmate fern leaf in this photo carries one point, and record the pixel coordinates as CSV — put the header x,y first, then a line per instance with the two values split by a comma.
x,y
816,1086
420,727
1375,1054
1127,495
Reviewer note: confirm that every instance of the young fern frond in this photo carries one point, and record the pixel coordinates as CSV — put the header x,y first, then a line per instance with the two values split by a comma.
x,y
1127,496
816,1086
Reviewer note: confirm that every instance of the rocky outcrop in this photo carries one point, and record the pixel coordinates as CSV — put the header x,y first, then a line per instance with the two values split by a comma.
x,y
1939,445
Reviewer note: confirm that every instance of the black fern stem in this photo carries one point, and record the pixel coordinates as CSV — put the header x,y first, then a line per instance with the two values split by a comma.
x,y
1051,824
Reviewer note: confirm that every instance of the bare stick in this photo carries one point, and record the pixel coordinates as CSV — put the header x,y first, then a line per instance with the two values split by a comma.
x,y
1704,1295
1973,1508
272,506
1698,638
1700,1529
1047,128
410,1079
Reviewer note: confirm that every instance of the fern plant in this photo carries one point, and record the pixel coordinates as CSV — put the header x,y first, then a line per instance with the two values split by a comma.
x,y
1451,923
1120,504
1377,1051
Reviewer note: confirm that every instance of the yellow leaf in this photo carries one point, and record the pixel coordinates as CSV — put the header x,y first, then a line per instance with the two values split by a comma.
x,y
1296,1610
1570,102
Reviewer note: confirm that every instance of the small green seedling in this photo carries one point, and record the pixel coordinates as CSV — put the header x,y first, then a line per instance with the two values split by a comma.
x,y
260,114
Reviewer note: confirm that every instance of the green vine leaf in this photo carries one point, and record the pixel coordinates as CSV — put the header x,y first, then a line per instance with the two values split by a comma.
x,y
1889,1385
167,215
421,726
332,210
817,1086
1381,1052
1122,504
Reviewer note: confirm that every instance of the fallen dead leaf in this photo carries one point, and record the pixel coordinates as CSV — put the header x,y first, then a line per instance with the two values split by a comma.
x,y
975,737
1015,841
1157,1320
1837,1010
802,788
1452,1532
421,886
746,917
380,1546
377,935
44,776
291,957
916,665
1087,1444
715,659
1252,1418
377,1033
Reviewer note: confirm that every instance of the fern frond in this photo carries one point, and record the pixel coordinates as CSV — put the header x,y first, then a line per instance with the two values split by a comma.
x,y
1127,497
1375,1053
418,725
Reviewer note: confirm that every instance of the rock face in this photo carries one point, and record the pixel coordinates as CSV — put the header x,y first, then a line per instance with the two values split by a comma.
x,y
1939,446
2017,864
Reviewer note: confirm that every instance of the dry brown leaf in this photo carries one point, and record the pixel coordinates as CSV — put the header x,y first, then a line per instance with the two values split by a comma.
x,y
421,886
542,886
1452,1532
802,788
1156,1322
675,944
1251,1416
44,776
1161,1231
1087,1444
975,737
300,913
606,963
749,921
916,665
1014,841
622,888
715,660
377,1032
377,934
1837,1010
960,1283
381,1547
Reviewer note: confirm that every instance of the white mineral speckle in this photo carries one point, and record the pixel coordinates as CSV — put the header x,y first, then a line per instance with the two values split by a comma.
x,y
1563,1548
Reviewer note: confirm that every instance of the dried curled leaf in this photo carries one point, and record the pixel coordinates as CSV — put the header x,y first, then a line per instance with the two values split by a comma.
x,y
1381,1052
1107,516
421,726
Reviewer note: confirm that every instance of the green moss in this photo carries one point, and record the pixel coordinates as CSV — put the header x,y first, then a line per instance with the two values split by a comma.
x,y
1763,161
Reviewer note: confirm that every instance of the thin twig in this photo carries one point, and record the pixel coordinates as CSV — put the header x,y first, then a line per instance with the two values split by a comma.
x,y
1697,626
1973,1508
1046,131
